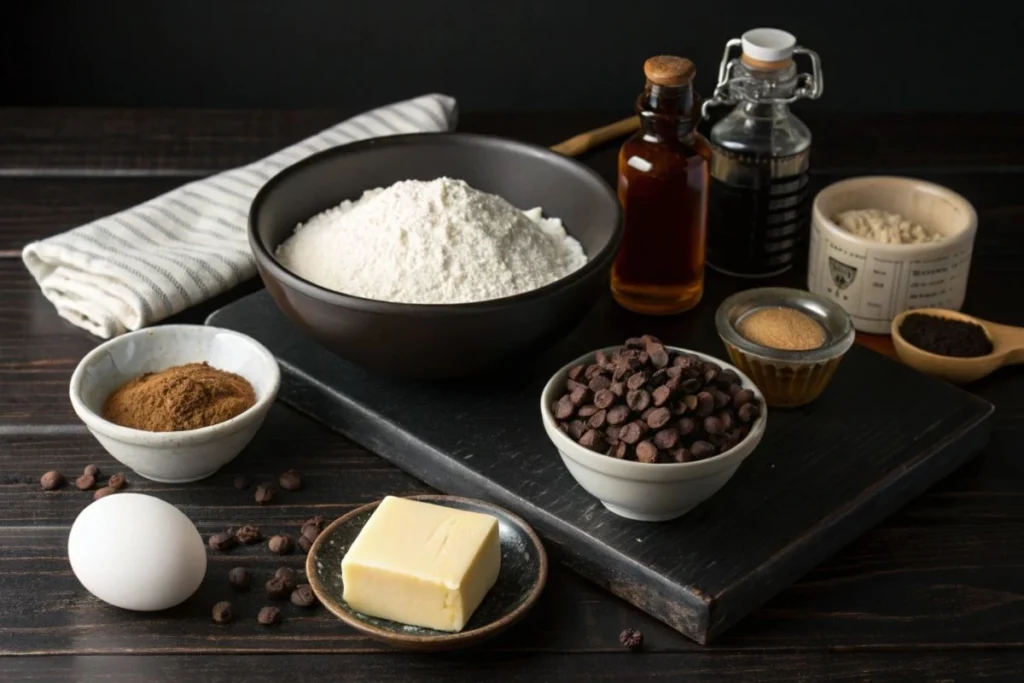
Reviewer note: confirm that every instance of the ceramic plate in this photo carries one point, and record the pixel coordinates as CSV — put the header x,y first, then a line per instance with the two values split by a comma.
x,y
524,570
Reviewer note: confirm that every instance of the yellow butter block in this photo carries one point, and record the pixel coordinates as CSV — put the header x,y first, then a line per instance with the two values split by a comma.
x,y
422,564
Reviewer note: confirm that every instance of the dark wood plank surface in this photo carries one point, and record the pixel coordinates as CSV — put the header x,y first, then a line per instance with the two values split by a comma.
x,y
936,592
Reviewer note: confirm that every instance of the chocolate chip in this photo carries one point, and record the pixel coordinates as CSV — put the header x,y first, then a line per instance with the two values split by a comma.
x,y
304,544
657,354
117,482
571,385
576,429
687,426
635,343
618,388
666,439
638,400
658,418
240,578
290,480
225,540
269,616
281,544
636,380
679,407
563,408
721,398
725,417
691,402
604,399
631,433
576,371
598,383
690,385
264,493
611,434
712,425
602,359
103,492
92,471
661,395
682,361
276,589
597,420
303,596
748,412
727,378
701,450
705,403
618,414
579,396
680,455
646,452
287,575
742,397
222,612
592,371
587,410
593,440
52,480
672,384
248,534
85,482
621,451
710,375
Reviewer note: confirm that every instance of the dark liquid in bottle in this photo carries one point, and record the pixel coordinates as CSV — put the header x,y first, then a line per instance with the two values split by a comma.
x,y
757,213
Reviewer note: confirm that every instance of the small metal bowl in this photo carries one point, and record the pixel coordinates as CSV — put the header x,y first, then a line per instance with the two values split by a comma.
x,y
786,378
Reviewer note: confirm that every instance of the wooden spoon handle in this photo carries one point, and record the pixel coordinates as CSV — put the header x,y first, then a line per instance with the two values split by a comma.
x,y
579,144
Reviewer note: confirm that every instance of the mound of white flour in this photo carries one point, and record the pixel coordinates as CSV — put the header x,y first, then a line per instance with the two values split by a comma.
x,y
436,242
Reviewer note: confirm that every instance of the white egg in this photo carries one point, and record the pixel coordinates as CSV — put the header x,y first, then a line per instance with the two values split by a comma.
x,y
137,552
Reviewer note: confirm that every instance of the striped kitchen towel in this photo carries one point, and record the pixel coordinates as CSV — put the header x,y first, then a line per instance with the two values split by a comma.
x,y
139,266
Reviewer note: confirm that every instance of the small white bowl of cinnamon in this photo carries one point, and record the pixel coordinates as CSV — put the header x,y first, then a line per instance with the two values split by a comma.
x,y
175,403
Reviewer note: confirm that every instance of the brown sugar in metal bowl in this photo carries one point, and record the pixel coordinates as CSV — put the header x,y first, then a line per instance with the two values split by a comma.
x,y
438,340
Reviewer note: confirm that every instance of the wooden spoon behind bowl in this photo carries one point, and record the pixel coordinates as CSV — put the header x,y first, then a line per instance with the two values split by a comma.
x,y
1007,349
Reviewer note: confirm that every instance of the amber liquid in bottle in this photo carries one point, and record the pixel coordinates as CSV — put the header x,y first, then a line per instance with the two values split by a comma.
x,y
663,188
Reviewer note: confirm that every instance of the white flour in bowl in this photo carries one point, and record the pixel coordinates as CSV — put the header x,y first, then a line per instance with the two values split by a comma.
x,y
436,242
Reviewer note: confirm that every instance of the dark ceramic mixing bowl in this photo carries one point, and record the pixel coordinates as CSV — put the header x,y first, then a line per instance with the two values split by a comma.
x,y
435,341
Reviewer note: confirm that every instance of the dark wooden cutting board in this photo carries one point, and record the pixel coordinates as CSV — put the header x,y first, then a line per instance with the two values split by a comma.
x,y
879,436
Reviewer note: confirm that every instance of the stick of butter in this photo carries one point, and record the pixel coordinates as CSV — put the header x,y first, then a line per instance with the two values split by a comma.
x,y
421,564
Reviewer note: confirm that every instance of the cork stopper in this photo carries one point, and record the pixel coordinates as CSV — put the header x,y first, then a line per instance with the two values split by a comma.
x,y
669,71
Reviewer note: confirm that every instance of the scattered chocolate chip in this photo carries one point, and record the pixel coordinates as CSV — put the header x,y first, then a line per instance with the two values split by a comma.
x,y
248,534
303,596
103,492
117,481
242,482
631,639
290,480
269,616
222,612
85,482
646,452
52,480
240,578
264,493
304,544
276,588
286,574
92,471
225,540
281,544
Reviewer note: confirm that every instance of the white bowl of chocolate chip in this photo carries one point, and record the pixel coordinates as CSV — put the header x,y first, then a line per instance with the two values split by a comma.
x,y
651,430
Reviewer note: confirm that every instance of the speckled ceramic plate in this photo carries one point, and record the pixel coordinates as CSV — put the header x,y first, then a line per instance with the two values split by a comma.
x,y
524,570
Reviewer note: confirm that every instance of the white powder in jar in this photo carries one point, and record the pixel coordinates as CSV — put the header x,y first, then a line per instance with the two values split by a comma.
x,y
885,227
431,242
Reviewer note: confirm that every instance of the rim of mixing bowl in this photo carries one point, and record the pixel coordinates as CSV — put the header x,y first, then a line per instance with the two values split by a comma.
x,y
266,259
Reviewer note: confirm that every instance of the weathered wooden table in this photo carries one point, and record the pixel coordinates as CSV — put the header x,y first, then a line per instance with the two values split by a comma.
x,y
934,594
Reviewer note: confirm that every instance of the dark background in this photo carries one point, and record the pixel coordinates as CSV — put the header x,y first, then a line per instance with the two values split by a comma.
x,y
891,56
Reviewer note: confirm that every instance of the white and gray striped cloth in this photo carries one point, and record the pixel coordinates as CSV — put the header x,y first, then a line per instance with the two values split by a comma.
x,y
134,268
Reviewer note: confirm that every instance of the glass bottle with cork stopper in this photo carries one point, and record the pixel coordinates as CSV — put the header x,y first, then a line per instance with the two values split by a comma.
x,y
663,188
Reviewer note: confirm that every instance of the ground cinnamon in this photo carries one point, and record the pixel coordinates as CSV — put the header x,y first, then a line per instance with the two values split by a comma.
x,y
179,398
